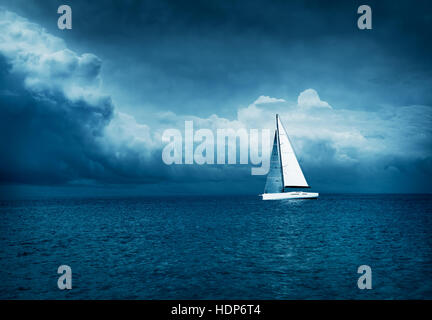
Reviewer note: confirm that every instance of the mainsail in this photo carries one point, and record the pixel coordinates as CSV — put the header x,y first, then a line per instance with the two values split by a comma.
x,y
274,177
285,171
292,173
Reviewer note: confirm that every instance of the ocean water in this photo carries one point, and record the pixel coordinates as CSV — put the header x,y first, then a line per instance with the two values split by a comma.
x,y
217,247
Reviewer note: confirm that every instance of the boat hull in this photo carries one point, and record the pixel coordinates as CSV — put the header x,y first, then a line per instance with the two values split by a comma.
x,y
290,195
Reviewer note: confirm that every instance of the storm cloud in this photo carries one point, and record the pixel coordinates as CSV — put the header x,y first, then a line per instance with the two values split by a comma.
x,y
53,113
59,126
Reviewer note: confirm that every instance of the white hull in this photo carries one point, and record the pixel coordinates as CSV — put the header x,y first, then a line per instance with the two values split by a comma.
x,y
290,195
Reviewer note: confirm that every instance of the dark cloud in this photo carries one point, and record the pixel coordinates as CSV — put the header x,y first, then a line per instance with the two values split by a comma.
x,y
45,137
59,126
380,174
217,54
53,116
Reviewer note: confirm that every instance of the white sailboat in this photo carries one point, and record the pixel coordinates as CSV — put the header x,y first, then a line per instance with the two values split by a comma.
x,y
285,171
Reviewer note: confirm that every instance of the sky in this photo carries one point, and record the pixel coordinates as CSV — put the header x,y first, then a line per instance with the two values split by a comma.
x,y
82,111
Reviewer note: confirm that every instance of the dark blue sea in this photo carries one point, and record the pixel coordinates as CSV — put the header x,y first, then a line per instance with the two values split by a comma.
x,y
217,247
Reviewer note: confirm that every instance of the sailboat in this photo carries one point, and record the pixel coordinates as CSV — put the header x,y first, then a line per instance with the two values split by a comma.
x,y
285,172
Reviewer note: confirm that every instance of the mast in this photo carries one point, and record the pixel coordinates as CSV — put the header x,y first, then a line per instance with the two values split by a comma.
x,y
279,153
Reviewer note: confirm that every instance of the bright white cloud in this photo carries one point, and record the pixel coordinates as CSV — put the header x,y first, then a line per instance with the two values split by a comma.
x,y
355,136
45,61
310,99
267,99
